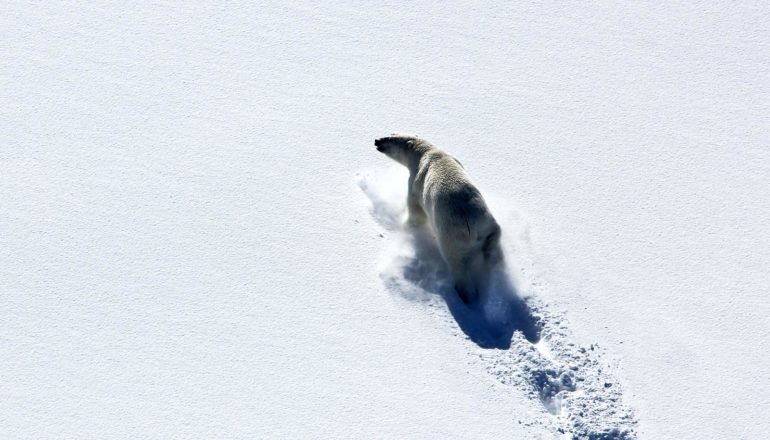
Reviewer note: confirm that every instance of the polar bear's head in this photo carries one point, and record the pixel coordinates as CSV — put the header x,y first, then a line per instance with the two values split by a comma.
x,y
403,148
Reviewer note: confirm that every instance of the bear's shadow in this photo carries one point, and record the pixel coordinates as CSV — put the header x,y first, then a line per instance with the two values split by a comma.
x,y
491,320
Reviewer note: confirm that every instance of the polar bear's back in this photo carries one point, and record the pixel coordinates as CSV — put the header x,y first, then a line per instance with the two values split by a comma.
x,y
454,205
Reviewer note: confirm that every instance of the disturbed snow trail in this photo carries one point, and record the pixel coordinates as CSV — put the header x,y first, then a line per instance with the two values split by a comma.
x,y
516,338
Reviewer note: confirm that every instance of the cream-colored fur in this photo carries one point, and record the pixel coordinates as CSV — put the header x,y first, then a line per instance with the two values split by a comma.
x,y
441,193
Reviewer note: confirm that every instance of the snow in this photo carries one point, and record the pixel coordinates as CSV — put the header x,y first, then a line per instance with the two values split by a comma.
x,y
188,252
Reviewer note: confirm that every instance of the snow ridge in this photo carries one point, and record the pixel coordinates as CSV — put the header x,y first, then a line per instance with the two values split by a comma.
x,y
516,338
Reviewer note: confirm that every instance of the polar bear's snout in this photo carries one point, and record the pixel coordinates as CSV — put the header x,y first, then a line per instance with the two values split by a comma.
x,y
379,144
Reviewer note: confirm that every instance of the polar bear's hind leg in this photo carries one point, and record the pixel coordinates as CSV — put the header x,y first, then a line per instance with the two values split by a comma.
x,y
470,264
491,250
465,264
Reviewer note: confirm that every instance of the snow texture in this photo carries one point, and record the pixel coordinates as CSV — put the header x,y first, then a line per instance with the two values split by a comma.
x,y
199,239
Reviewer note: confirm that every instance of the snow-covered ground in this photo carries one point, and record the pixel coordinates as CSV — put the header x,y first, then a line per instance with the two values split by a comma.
x,y
199,239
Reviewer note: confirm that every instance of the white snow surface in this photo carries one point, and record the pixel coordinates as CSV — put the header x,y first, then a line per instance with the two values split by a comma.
x,y
199,240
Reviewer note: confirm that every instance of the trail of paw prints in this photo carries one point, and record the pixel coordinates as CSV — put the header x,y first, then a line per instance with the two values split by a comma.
x,y
524,344
576,387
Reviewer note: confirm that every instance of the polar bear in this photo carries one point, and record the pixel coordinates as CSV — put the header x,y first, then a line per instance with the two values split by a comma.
x,y
441,193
